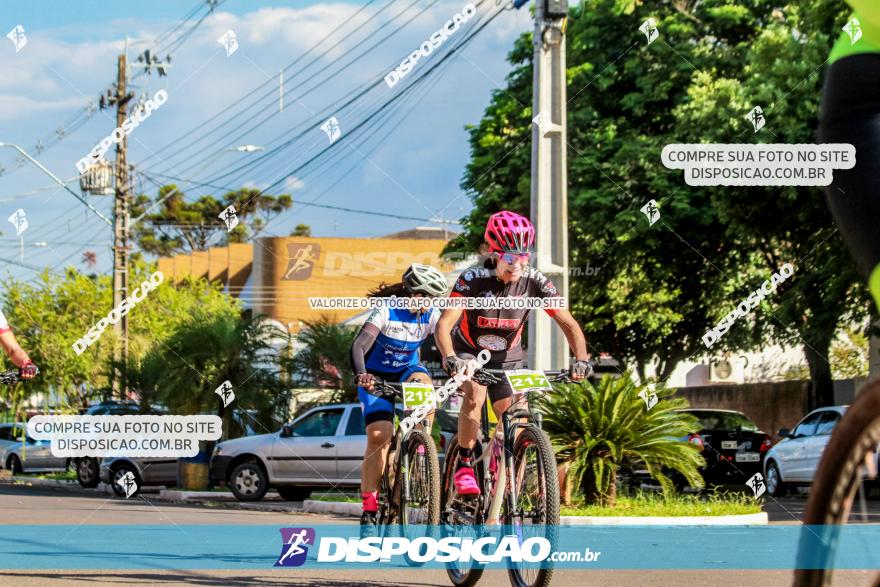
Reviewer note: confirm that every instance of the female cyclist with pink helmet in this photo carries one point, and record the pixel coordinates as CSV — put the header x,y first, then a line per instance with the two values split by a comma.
x,y
462,334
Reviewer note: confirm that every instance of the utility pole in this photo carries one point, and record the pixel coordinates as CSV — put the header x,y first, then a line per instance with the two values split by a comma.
x,y
548,348
121,232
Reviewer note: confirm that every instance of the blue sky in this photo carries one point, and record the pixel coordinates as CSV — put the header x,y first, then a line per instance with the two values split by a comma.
x,y
70,58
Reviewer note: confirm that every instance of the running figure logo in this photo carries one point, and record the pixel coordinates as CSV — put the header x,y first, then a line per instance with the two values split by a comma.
x,y
229,217
302,258
854,29
127,484
225,392
19,221
331,127
756,117
649,27
18,38
229,42
649,396
756,484
294,546
652,211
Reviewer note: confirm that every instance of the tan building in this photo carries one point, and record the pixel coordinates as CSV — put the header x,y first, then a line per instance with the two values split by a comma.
x,y
276,275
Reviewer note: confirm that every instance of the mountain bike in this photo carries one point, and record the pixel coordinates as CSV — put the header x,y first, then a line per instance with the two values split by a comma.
x,y
516,469
409,490
848,467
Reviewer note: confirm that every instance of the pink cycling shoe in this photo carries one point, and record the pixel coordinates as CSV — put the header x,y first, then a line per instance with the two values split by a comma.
x,y
466,482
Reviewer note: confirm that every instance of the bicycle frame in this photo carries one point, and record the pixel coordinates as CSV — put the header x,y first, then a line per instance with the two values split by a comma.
x,y
498,472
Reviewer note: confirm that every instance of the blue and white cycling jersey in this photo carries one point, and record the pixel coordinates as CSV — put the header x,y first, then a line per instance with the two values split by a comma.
x,y
401,333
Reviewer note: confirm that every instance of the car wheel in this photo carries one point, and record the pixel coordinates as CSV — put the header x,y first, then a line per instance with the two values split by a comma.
x,y
118,473
294,493
13,463
249,481
87,472
775,486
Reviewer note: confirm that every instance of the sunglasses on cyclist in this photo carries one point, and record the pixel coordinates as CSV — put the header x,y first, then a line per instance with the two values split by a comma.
x,y
512,258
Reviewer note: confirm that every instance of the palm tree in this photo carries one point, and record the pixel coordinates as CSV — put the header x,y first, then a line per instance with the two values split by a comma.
x,y
183,373
597,429
324,360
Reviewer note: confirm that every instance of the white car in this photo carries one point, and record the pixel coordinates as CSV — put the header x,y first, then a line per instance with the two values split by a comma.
x,y
793,461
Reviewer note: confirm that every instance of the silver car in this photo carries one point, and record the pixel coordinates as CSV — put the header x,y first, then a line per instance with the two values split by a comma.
x,y
146,471
322,448
30,456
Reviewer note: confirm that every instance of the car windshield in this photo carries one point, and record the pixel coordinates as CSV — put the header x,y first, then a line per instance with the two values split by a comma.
x,y
724,421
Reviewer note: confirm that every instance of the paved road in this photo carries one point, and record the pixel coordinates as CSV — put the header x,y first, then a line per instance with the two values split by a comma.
x,y
31,505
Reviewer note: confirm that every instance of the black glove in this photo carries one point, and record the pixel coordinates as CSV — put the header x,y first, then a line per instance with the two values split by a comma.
x,y
580,370
28,371
453,365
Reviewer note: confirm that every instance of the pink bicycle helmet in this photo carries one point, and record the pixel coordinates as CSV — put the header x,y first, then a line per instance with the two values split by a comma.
x,y
508,232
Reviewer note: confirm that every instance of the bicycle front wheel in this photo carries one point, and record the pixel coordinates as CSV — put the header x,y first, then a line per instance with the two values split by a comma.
x,y
419,483
536,508
848,464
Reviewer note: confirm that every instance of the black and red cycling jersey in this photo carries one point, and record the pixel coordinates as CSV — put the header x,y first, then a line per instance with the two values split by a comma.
x,y
497,330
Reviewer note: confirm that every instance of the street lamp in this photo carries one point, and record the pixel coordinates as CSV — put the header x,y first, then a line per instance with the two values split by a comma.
x,y
53,176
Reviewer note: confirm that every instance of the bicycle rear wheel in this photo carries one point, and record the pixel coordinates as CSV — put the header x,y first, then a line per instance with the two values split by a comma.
x,y
461,516
536,511
840,478
419,493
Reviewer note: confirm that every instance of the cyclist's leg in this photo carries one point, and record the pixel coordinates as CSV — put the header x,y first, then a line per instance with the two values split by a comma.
x,y
469,419
501,394
378,415
851,114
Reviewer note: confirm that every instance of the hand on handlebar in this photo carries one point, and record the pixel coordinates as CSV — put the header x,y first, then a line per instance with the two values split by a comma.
x,y
366,380
28,370
454,365
580,370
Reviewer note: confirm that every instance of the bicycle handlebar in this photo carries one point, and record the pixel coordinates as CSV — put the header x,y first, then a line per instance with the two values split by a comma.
x,y
10,377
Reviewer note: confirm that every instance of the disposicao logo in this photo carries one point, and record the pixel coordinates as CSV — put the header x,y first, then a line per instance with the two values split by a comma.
x,y
294,546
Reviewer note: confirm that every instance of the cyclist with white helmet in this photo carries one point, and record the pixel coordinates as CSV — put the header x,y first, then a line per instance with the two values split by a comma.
x,y
462,334
387,347
26,368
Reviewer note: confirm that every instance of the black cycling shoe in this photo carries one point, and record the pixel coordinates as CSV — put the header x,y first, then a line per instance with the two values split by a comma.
x,y
369,525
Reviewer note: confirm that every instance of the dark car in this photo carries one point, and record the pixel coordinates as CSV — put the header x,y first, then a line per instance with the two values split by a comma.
x,y
88,468
732,445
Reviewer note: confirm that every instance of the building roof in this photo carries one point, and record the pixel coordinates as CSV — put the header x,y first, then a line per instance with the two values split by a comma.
x,y
424,232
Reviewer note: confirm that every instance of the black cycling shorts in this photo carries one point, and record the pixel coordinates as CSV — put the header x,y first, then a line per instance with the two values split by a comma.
x,y
497,391
851,114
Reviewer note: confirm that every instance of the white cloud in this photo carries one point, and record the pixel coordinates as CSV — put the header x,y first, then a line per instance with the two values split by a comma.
x,y
14,107
294,184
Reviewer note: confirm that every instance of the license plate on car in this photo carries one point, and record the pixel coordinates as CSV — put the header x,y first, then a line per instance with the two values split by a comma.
x,y
728,444
748,457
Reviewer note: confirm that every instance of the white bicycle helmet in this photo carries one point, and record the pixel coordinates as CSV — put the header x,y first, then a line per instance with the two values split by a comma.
x,y
424,279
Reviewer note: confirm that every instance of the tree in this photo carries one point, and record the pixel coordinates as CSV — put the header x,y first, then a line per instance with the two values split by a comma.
x,y
324,359
662,286
51,312
597,429
173,225
206,350
302,230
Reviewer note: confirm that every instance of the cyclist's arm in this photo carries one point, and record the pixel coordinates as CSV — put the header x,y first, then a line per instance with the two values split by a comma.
x,y
363,342
10,346
868,10
443,333
573,333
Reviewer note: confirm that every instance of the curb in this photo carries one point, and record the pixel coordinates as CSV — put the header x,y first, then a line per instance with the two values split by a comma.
x,y
184,495
313,506
759,519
